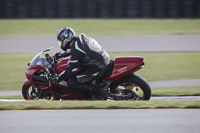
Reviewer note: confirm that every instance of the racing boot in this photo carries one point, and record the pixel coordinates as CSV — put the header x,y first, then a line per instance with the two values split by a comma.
x,y
99,93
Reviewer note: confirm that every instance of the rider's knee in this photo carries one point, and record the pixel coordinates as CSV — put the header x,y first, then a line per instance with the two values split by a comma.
x,y
84,79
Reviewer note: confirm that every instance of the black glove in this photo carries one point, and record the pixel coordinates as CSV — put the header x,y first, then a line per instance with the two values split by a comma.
x,y
58,55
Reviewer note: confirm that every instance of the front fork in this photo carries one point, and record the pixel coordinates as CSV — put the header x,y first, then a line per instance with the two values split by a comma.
x,y
41,94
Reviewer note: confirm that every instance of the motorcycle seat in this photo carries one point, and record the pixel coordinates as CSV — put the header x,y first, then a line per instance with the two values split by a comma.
x,y
110,69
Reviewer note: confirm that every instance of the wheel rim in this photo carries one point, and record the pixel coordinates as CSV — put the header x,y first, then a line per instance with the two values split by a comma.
x,y
31,93
138,92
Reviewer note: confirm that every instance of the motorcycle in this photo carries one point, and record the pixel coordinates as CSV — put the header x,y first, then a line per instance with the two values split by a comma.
x,y
119,83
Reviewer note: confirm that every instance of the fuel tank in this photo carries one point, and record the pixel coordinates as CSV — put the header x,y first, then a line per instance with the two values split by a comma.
x,y
63,64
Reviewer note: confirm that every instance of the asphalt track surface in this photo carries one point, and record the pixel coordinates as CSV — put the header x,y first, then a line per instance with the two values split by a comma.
x,y
142,43
101,121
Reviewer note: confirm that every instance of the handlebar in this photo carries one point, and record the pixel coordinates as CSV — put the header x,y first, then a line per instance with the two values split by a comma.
x,y
51,59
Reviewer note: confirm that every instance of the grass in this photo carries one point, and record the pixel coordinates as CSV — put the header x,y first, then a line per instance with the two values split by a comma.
x,y
50,27
12,69
176,91
158,66
98,105
12,97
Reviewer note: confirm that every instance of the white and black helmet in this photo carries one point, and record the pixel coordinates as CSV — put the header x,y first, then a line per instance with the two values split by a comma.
x,y
65,36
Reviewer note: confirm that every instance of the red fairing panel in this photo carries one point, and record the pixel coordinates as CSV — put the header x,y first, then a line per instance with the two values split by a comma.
x,y
62,65
27,82
31,70
124,66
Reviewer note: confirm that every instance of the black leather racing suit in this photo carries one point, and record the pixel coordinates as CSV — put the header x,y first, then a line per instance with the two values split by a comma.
x,y
88,53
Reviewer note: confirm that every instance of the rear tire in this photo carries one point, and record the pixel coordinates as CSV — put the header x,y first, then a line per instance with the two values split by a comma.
x,y
135,83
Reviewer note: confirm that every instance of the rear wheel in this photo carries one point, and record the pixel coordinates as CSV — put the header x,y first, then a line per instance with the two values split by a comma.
x,y
133,85
31,93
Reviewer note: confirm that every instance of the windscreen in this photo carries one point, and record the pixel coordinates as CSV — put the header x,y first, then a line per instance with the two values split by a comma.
x,y
39,59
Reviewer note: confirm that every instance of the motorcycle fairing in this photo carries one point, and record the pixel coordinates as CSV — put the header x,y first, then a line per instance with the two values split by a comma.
x,y
68,94
31,70
62,65
124,66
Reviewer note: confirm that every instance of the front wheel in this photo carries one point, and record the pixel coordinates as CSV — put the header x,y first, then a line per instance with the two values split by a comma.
x,y
32,93
132,84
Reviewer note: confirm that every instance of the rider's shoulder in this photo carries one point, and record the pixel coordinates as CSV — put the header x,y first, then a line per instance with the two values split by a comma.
x,y
82,35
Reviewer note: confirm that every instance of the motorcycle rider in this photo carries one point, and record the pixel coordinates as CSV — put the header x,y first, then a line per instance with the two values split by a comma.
x,y
88,53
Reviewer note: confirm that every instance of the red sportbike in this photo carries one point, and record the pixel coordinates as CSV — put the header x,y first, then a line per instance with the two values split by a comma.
x,y
119,83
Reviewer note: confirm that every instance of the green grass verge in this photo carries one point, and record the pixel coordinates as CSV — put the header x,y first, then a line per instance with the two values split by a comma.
x,y
158,66
12,97
24,105
50,27
12,69
176,91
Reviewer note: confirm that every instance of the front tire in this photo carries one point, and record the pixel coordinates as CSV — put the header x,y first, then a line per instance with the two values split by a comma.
x,y
135,83
31,93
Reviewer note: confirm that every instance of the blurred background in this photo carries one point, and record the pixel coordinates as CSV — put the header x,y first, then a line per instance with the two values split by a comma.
x,y
99,8
165,32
